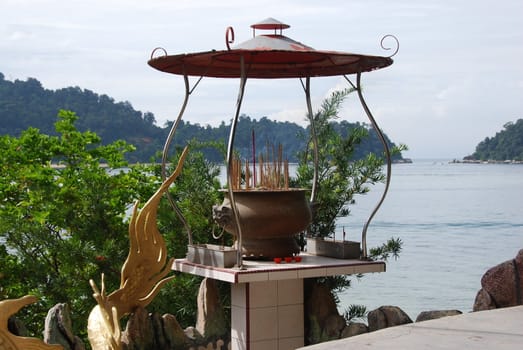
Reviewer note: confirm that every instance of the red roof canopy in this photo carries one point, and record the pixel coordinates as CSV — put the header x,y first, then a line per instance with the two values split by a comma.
x,y
269,56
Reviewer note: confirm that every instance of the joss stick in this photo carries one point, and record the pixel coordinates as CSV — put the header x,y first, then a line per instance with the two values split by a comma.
x,y
286,174
247,175
276,183
260,165
277,171
280,160
273,169
236,173
231,179
276,167
268,171
239,173
253,158
233,174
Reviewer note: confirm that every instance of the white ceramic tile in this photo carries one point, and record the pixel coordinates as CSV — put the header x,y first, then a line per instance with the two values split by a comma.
x,y
265,345
341,270
239,295
314,272
290,321
220,275
238,322
238,344
290,292
283,274
370,268
253,277
263,294
310,266
290,343
263,323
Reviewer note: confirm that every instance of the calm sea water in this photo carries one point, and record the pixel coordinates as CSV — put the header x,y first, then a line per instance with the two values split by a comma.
x,y
456,221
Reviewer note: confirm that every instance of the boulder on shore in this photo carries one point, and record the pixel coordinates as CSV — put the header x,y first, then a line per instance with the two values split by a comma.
x,y
501,285
354,328
323,321
434,314
387,316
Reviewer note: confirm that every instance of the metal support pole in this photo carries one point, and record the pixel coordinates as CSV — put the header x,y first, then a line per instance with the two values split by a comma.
x,y
388,159
314,136
165,154
230,151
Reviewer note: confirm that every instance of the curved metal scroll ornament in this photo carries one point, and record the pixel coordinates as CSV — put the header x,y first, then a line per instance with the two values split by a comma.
x,y
381,136
229,40
168,141
389,166
158,49
165,154
142,276
9,341
388,48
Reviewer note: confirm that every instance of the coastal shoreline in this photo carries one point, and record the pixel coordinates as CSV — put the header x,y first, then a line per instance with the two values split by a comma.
x,y
489,161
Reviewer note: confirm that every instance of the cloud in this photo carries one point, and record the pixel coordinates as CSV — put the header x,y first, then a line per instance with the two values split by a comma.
x,y
456,79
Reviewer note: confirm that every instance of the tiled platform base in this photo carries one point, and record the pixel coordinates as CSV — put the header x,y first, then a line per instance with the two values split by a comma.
x,y
267,298
267,315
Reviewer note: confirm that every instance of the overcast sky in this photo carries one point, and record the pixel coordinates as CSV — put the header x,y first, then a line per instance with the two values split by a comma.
x,y
457,78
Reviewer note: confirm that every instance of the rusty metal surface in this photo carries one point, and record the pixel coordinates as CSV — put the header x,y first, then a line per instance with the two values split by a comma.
x,y
268,56
271,56
269,64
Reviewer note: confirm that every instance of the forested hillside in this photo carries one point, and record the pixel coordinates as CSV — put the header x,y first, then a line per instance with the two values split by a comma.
x,y
26,104
507,144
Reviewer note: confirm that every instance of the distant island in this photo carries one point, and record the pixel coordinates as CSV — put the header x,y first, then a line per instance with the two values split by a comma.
x,y
505,147
25,104
488,161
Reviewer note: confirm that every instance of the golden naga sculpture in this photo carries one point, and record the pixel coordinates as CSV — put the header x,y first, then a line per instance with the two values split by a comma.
x,y
9,341
142,276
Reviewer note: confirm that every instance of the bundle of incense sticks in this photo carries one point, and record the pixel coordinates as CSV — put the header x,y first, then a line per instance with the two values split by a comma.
x,y
273,171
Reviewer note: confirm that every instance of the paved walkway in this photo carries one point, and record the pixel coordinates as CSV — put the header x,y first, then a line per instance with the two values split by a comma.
x,y
499,329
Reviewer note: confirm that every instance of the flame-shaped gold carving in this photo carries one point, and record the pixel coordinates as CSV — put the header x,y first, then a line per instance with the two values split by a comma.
x,y
142,276
9,341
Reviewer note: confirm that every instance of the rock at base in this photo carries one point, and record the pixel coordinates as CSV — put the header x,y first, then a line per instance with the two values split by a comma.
x,y
501,285
59,330
353,329
434,314
17,327
333,326
387,316
173,332
139,332
320,310
210,320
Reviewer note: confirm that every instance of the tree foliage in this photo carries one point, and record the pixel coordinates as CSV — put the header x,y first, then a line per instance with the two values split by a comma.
x,y
195,191
64,219
507,144
61,214
25,104
341,174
